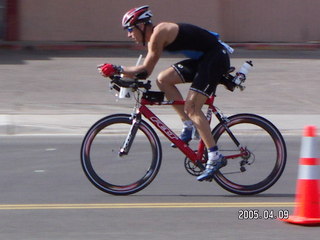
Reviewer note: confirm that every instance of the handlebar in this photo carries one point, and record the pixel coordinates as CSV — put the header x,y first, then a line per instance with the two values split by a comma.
x,y
118,82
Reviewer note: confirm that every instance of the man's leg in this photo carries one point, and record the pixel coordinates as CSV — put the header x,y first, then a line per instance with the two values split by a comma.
x,y
166,82
194,103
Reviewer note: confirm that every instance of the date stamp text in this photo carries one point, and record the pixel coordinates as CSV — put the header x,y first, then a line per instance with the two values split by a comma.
x,y
256,214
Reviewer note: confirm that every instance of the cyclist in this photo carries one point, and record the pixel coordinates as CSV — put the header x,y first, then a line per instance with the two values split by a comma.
x,y
207,61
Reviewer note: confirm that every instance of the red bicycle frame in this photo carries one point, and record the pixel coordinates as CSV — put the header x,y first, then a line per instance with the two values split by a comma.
x,y
195,157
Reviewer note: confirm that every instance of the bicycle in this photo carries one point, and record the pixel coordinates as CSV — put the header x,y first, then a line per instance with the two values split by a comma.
x,y
121,154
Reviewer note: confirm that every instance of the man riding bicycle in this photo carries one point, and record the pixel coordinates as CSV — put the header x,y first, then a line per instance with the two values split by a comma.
x,y
207,61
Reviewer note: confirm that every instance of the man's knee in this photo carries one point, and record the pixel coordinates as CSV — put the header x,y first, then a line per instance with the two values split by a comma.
x,y
162,79
168,77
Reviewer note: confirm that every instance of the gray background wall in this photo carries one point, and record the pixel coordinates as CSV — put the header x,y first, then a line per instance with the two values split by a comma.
x,y
235,20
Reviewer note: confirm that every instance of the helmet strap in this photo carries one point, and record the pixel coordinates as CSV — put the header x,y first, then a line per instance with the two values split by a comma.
x,y
143,33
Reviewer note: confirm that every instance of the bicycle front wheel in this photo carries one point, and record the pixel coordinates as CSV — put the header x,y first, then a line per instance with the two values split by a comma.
x,y
115,173
258,162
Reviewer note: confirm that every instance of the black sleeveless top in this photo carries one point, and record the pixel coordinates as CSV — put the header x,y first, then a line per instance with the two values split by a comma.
x,y
193,41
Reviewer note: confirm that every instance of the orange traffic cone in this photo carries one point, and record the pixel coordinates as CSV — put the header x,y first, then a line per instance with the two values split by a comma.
x,y
307,205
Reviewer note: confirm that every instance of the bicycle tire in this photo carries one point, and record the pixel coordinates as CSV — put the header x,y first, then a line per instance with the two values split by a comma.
x,y
250,129
114,174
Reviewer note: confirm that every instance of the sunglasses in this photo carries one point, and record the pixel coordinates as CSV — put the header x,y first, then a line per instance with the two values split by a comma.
x,y
130,29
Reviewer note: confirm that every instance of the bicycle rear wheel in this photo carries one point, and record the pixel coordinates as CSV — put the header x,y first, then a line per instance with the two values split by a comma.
x,y
264,156
112,172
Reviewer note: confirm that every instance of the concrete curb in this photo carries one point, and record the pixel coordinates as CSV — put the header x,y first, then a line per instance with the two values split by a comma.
x,y
80,123
67,45
33,45
277,46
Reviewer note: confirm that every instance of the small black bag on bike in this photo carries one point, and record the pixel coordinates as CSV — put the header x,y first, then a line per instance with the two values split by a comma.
x,y
153,96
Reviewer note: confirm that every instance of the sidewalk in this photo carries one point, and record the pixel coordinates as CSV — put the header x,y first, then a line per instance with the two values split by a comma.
x,y
54,88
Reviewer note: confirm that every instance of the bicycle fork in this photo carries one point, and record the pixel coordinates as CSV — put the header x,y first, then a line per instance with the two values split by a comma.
x,y
136,120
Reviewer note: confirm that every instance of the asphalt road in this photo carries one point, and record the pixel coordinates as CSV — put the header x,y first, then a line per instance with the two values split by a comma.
x,y
45,195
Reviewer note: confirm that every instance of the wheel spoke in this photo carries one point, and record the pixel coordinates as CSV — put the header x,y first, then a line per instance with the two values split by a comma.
x,y
261,160
117,173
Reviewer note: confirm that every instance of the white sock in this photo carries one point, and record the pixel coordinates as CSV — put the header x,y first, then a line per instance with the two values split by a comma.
x,y
213,156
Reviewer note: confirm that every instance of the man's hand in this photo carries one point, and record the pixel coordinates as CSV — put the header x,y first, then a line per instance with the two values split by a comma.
x,y
108,69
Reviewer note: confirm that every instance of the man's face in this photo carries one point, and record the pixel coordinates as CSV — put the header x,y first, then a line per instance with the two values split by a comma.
x,y
135,34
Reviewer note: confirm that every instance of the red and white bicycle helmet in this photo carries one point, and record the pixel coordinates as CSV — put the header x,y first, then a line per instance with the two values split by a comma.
x,y
136,15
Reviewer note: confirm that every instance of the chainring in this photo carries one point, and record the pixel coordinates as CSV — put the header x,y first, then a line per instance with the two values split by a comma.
x,y
192,168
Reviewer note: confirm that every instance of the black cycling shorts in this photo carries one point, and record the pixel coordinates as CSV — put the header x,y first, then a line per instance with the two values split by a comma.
x,y
204,73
